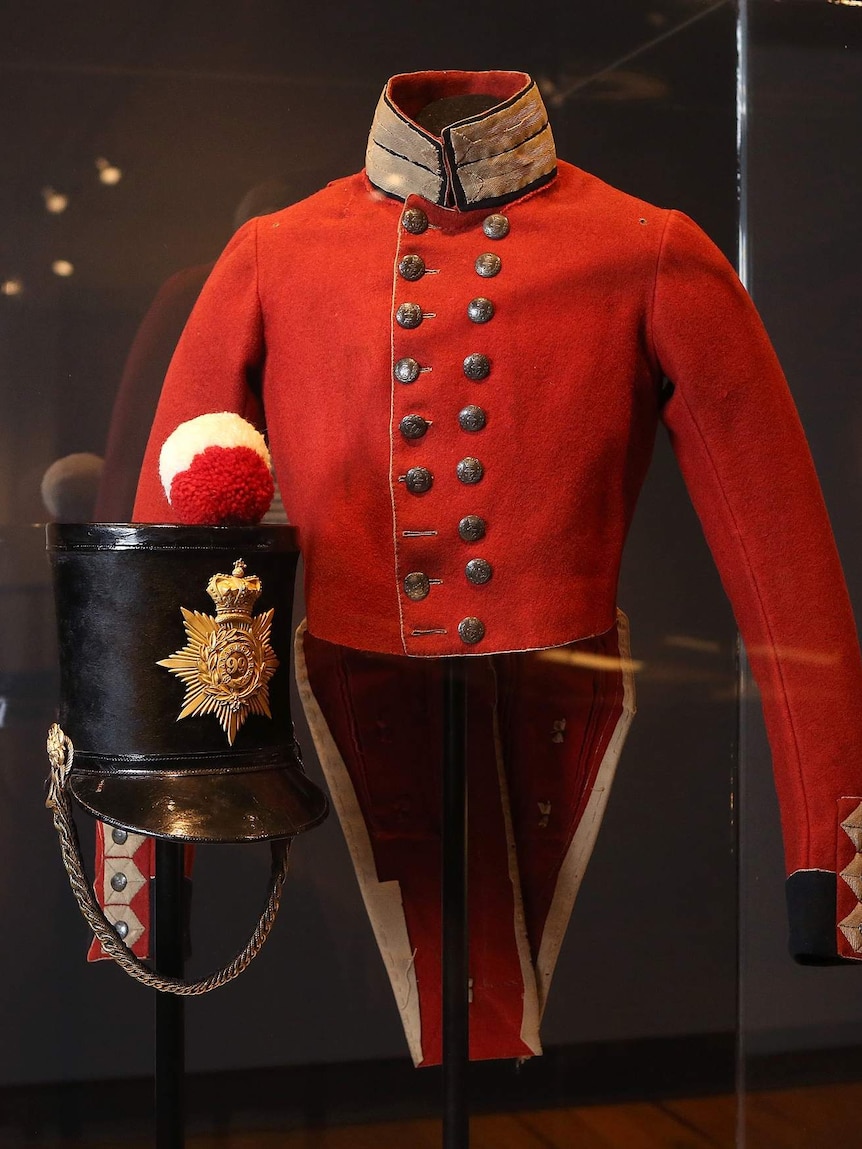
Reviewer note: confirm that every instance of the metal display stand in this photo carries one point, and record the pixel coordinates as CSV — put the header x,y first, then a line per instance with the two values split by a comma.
x,y
456,939
169,928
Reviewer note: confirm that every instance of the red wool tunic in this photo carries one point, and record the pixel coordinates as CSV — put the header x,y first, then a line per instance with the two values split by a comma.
x,y
458,355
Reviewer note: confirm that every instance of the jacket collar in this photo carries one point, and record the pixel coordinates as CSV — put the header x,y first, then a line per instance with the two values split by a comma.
x,y
479,162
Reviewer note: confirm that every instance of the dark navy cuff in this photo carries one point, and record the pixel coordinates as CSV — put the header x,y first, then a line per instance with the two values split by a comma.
x,y
811,910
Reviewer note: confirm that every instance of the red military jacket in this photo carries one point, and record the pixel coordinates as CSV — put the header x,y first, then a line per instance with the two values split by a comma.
x,y
458,354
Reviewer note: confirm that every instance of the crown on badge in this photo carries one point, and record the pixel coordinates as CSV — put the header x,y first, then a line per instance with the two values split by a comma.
x,y
235,594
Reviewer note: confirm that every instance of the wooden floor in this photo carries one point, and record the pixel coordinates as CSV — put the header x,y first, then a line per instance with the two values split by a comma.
x,y
823,1117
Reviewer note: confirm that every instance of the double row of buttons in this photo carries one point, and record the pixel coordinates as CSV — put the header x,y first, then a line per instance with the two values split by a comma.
x,y
472,418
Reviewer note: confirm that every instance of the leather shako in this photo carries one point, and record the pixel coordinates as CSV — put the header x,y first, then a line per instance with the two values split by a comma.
x,y
121,593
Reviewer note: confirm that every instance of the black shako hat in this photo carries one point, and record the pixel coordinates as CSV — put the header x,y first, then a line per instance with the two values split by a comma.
x,y
174,646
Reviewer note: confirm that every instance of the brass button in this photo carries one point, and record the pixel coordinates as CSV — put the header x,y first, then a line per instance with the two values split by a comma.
x,y
408,315
470,470
495,226
417,585
406,370
471,418
413,426
488,265
480,310
411,267
418,480
471,630
472,528
414,220
478,571
477,366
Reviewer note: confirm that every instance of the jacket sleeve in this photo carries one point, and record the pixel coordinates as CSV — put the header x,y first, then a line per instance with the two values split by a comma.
x,y
748,469
217,364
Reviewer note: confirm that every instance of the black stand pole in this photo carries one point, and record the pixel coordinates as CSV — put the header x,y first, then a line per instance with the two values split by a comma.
x,y
456,1030
168,922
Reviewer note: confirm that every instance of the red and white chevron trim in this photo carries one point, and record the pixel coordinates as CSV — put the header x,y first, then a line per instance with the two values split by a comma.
x,y
125,863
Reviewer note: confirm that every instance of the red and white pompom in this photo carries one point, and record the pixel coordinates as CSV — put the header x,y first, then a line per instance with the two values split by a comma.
x,y
216,470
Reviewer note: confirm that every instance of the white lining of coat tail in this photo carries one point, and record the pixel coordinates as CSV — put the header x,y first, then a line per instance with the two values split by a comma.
x,y
578,855
531,1015
382,899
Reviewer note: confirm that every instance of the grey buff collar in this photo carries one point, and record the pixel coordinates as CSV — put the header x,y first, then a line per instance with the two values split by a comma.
x,y
481,161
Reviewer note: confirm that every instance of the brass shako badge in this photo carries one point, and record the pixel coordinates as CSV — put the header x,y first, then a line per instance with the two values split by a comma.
x,y
228,661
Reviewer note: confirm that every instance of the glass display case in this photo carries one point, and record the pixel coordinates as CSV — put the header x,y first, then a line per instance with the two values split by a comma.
x,y
137,144
799,1043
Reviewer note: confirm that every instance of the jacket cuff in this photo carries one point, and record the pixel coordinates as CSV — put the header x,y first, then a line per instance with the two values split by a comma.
x,y
824,907
811,910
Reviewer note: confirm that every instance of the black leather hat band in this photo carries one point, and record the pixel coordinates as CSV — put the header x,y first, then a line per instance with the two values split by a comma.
x,y
169,537
163,773
175,765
